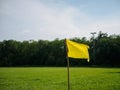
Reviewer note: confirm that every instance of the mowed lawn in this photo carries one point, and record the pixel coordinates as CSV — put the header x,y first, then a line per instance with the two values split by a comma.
x,y
55,78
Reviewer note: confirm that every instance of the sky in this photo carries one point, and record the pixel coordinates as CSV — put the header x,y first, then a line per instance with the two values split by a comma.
x,y
49,19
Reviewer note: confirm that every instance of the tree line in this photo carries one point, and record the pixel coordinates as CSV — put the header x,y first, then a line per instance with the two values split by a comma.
x,y
105,52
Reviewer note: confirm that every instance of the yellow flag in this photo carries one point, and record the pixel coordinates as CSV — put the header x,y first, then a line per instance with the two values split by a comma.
x,y
77,50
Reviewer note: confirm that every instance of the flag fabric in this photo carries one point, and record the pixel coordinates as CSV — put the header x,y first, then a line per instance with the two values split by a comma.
x,y
77,50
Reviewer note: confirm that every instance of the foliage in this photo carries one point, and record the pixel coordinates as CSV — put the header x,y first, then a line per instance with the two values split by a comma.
x,y
53,53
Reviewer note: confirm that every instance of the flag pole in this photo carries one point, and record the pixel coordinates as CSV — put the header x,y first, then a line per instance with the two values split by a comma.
x,y
68,73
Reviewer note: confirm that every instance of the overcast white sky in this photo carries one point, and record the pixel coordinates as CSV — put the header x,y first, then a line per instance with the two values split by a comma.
x,y
50,19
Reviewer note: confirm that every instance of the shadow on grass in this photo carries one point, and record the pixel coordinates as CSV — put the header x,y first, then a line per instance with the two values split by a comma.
x,y
114,72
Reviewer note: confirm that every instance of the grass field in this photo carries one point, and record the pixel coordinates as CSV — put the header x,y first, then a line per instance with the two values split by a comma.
x,y
48,78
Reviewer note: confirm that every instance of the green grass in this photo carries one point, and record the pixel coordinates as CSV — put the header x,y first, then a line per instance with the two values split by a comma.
x,y
48,78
